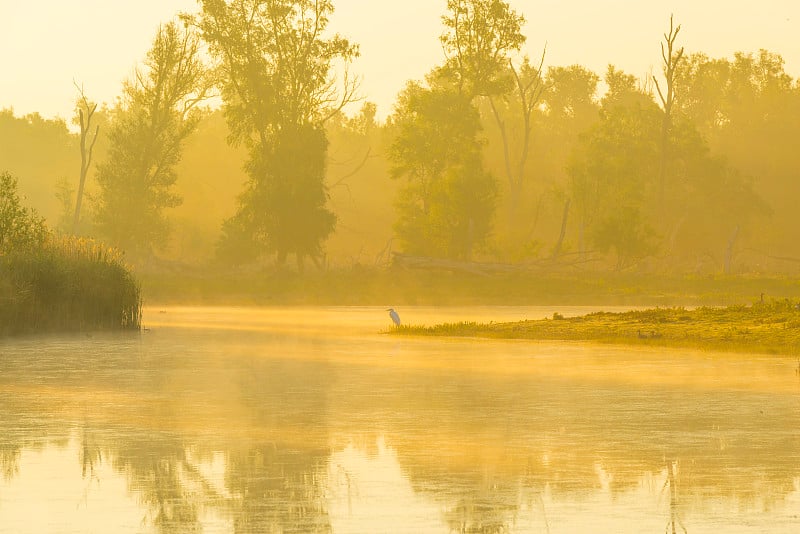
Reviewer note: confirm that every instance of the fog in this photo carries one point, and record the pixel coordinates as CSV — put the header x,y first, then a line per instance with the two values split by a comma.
x,y
311,419
494,162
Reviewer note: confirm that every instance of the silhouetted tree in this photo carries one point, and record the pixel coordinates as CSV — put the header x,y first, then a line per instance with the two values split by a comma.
x,y
748,110
447,205
20,226
611,170
278,88
43,152
616,183
86,111
479,39
479,36
671,62
157,112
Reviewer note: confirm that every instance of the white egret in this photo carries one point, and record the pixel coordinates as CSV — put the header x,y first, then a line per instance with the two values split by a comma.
x,y
394,316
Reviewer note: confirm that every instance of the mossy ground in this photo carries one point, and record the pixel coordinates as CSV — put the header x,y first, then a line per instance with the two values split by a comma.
x,y
763,327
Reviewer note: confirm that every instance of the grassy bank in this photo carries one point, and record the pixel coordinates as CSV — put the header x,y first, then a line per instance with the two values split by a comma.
x,y
67,284
395,287
765,327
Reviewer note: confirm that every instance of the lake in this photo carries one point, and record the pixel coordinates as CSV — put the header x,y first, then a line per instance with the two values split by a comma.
x,y
308,419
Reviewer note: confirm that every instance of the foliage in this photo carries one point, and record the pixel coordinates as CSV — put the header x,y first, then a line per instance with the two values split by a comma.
x,y
42,150
447,205
67,284
21,228
290,194
614,170
770,327
579,178
150,124
275,68
747,109
626,231
479,36
85,114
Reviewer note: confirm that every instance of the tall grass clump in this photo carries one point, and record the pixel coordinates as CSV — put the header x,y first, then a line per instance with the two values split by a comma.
x,y
52,283
68,284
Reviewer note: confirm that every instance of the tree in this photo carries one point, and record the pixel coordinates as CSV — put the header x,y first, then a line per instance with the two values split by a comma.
x,y
671,62
86,111
277,83
616,183
20,227
43,152
611,170
479,36
571,109
156,114
748,111
447,205
479,39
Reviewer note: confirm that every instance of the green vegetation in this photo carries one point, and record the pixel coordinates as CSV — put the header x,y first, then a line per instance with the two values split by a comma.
x,y
149,125
491,157
66,285
50,283
770,327
374,286
446,206
278,91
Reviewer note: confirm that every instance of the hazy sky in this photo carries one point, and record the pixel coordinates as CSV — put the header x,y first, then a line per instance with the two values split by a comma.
x,y
46,44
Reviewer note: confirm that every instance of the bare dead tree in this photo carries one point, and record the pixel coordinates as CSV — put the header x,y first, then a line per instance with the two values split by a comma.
x,y
86,112
529,92
671,60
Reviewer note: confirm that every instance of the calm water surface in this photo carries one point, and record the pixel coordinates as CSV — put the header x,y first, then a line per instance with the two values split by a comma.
x,y
314,420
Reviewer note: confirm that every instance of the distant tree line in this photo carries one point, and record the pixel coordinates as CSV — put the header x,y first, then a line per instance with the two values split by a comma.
x,y
494,156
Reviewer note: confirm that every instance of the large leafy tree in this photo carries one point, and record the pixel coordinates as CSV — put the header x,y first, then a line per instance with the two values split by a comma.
x,y
157,112
616,184
447,204
276,72
611,169
479,40
748,110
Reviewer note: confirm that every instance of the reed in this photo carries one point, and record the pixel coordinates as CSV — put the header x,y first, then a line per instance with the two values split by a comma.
x,y
67,284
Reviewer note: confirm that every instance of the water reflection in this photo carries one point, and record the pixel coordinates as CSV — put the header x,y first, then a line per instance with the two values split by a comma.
x,y
228,421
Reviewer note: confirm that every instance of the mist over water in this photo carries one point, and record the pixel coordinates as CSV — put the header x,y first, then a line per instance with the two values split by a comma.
x,y
316,420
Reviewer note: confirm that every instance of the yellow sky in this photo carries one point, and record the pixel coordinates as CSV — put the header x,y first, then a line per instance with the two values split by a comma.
x,y
46,44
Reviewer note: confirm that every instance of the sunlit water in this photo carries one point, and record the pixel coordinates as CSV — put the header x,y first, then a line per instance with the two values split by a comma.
x,y
315,420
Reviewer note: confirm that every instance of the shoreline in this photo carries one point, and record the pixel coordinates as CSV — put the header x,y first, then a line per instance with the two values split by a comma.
x,y
771,327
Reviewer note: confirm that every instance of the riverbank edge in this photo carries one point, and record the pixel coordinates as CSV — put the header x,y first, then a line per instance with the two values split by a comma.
x,y
67,285
770,327
402,287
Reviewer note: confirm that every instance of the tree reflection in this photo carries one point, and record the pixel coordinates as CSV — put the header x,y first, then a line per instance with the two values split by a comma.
x,y
278,489
485,450
671,484
153,465
487,511
9,460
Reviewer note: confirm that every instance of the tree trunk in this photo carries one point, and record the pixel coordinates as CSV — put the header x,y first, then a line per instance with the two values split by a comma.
x,y
729,249
560,242
86,159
